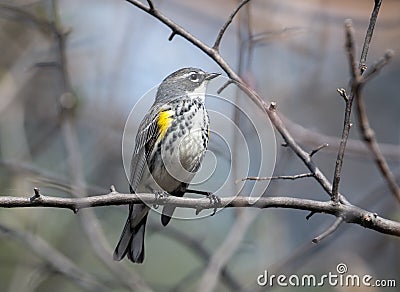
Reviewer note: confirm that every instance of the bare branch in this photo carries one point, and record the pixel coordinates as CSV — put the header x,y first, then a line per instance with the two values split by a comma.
x,y
377,67
320,147
286,177
331,229
225,85
227,23
350,48
350,213
368,36
172,35
355,77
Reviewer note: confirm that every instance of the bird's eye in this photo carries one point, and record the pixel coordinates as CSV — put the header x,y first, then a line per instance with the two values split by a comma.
x,y
194,77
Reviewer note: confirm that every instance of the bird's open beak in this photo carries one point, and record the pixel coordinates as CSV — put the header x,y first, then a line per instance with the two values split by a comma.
x,y
210,76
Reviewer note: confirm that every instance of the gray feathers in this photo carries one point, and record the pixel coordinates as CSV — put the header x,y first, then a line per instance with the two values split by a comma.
x,y
182,93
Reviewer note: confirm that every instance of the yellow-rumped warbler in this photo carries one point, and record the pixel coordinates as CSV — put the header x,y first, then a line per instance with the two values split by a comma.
x,y
170,145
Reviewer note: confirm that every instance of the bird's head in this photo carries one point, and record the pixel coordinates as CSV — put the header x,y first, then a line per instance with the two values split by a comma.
x,y
185,81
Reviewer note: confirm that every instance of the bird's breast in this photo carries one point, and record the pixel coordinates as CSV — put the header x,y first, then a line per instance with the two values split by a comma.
x,y
182,148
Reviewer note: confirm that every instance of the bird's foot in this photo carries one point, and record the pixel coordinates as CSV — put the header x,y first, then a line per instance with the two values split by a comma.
x,y
158,195
215,200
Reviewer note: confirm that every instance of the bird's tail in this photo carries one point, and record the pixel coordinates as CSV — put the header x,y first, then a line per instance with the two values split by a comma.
x,y
168,210
131,242
167,214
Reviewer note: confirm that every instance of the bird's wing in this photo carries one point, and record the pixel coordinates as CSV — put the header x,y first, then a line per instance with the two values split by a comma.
x,y
153,127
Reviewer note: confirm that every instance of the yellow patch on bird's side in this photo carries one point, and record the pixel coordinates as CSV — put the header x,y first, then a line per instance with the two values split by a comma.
x,y
163,122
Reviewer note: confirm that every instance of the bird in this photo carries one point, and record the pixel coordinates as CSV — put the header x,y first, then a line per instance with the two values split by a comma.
x,y
169,147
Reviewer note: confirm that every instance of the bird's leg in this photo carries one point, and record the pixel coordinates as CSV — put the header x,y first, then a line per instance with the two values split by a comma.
x,y
203,193
213,198
158,194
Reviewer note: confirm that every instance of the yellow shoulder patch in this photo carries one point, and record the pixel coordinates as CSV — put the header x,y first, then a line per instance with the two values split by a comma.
x,y
163,122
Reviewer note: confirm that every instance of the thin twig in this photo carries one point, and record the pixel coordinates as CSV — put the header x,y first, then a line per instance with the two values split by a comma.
x,y
355,77
225,85
343,94
320,147
368,36
226,24
331,229
377,67
285,177
151,5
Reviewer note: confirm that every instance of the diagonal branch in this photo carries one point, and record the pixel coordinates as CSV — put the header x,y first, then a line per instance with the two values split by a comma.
x,y
331,229
227,23
368,36
377,67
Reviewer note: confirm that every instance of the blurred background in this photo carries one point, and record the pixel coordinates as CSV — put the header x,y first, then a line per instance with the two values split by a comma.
x,y
72,71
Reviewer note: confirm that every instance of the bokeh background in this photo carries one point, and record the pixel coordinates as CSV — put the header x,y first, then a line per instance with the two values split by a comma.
x,y
64,101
